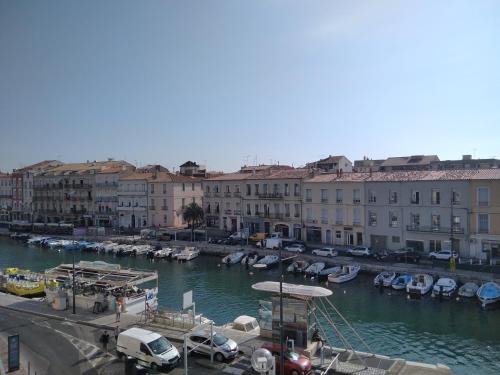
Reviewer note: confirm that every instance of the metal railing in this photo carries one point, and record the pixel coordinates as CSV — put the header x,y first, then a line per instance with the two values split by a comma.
x,y
434,229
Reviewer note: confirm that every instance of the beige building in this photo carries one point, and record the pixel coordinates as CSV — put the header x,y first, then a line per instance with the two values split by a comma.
x,y
168,195
485,214
133,200
333,209
265,200
5,197
67,193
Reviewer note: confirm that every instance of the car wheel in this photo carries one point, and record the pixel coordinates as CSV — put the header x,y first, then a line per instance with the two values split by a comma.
x,y
219,357
154,367
294,372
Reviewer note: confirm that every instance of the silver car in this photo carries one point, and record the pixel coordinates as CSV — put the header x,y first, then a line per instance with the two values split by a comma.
x,y
223,347
296,248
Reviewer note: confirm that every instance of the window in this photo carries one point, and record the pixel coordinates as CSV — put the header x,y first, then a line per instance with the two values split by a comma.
x,y
324,215
249,189
324,195
216,188
308,195
287,190
276,189
164,204
256,209
287,209
227,189
309,214
415,197
192,186
356,196
393,196
237,189
264,189
372,219
296,210
165,189
152,203
455,197
339,195
483,197
356,216
339,215
296,191
455,224
208,208
436,222
249,211
183,202
144,349
208,189
372,197
217,207
152,188
435,245
483,222
256,189
415,221
395,239
228,206
393,219
164,219
183,186
338,234
435,197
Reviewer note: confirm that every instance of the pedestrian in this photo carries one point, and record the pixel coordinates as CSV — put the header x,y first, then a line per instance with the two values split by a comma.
x,y
105,340
118,309
117,332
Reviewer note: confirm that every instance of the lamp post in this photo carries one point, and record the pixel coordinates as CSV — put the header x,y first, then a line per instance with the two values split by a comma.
x,y
74,285
282,346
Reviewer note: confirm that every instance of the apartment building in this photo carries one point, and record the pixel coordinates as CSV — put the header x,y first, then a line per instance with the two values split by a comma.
x,y
133,200
66,193
333,208
467,162
332,164
484,191
266,200
423,210
168,195
5,196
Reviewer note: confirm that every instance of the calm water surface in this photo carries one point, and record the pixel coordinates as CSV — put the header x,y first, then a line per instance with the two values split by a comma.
x,y
458,334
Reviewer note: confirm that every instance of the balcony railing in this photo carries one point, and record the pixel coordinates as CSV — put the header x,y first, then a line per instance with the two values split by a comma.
x,y
164,208
356,201
434,229
153,208
227,194
339,222
216,194
324,200
237,212
324,221
237,194
228,212
311,220
270,195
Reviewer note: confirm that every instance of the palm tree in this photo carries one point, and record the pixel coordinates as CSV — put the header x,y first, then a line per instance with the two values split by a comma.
x,y
193,215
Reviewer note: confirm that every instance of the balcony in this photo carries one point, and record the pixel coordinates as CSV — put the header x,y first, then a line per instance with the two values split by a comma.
x,y
228,212
356,201
131,208
237,212
164,208
237,194
78,186
356,223
310,220
216,194
270,196
78,212
339,222
152,208
434,229
309,200
339,201
324,221
227,194
324,200
268,215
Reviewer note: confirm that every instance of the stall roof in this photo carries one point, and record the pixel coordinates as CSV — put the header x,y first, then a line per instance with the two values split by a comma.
x,y
103,274
292,289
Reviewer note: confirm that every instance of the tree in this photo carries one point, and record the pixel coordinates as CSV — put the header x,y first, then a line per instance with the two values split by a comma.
x,y
193,215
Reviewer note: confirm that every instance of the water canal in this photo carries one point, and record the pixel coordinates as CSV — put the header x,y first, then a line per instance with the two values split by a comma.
x,y
458,334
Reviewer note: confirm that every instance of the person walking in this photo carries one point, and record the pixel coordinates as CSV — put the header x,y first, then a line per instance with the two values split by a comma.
x,y
117,332
105,340
118,310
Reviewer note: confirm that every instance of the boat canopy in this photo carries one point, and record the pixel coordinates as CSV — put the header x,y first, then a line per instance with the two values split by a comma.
x,y
306,291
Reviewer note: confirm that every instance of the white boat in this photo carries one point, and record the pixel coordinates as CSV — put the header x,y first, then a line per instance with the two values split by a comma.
x,y
400,282
250,259
163,253
468,290
37,240
384,278
325,272
233,258
315,268
420,284
488,293
267,262
347,273
444,287
298,267
189,253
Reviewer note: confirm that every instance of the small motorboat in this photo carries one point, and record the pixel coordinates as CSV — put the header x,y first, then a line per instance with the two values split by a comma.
x,y
36,240
267,262
384,278
488,293
233,258
323,274
298,266
189,253
468,290
22,283
347,273
399,283
72,246
420,285
162,253
444,287
315,268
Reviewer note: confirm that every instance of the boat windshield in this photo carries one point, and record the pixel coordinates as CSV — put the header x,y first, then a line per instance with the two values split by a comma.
x,y
160,345
219,339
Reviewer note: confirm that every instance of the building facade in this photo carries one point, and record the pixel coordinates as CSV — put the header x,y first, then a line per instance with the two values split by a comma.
x,y
133,200
5,197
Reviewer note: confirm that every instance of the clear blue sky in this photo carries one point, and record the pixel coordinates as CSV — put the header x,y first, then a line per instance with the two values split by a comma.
x,y
225,82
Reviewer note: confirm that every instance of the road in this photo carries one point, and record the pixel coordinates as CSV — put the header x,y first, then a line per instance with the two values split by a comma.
x,y
55,347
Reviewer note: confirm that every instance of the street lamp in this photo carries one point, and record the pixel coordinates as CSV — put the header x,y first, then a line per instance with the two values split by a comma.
x,y
282,349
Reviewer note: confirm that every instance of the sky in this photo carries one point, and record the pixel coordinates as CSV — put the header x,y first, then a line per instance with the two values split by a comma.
x,y
234,82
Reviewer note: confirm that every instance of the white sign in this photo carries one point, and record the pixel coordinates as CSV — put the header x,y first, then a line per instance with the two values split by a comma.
x,y
187,300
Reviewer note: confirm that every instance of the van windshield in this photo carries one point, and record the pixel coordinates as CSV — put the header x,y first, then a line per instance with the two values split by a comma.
x,y
160,345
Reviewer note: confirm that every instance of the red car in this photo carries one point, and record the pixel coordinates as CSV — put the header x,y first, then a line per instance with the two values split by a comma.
x,y
295,364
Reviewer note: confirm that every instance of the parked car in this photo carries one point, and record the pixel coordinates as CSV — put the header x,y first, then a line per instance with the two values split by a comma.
x,y
407,255
442,255
149,348
325,252
238,236
223,347
295,364
296,248
360,251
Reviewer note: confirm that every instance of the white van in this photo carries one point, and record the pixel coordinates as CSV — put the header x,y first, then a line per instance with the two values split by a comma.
x,y
149,348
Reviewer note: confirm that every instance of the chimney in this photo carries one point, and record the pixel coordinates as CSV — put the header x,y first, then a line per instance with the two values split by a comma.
x,y
466,157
